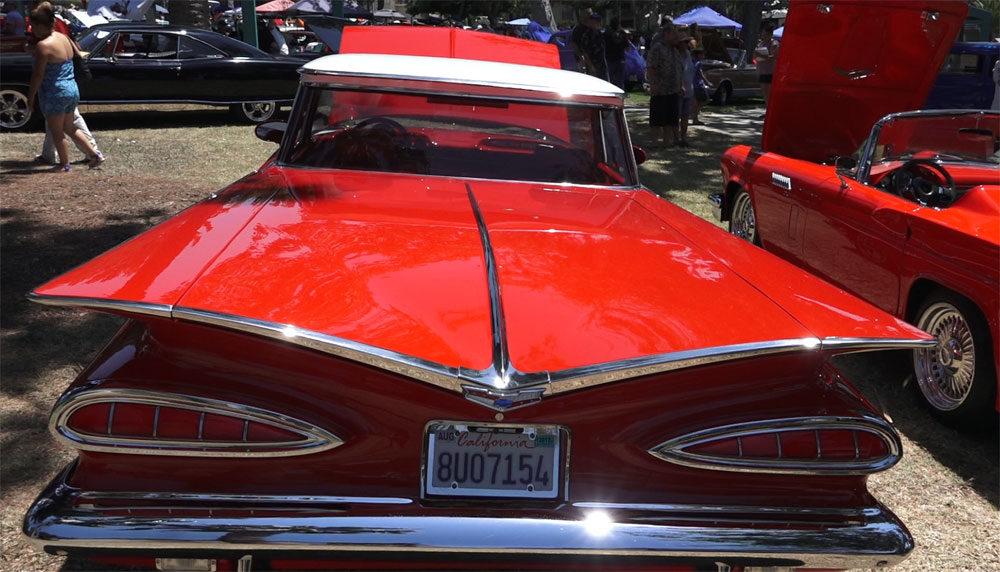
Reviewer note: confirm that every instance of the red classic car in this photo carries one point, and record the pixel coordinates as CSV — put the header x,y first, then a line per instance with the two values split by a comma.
x,y
445,326
905,214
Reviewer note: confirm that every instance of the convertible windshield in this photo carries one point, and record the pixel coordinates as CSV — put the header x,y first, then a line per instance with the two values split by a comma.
x,y
965,137
461,136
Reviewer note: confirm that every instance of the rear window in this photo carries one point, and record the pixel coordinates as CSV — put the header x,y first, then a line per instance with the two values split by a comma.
x,y
459,136
963,64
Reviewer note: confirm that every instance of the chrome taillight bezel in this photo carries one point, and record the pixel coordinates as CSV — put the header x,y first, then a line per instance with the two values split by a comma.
x,y
674,450
314,439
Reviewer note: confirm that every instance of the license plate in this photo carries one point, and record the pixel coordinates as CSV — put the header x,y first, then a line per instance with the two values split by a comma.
x,y
492,460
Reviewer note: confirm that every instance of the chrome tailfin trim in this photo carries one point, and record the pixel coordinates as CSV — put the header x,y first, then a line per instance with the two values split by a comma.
x,y
501,378
140,308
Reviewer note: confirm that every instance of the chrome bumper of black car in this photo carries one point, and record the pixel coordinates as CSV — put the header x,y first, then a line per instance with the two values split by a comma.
x,y
716,199
65,519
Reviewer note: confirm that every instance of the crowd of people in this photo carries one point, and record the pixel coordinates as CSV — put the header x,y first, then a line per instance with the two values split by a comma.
x,y
677,84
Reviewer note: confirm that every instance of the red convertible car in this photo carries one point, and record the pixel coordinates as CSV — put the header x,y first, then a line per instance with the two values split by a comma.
x,y
905,214
444,326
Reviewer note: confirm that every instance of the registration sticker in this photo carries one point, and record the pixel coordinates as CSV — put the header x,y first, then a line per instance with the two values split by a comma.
x,y
492,460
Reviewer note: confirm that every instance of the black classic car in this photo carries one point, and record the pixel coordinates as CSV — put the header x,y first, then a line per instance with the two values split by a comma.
x,y
146,63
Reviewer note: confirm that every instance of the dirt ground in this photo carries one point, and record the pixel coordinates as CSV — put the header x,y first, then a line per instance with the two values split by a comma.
x,y
945,488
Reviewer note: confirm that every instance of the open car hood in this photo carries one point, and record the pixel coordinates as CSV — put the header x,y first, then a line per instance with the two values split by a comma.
x,y
329,29
584,276
843,65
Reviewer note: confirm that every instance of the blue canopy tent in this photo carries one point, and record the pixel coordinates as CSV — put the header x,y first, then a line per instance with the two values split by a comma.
x,y
706,18
777,33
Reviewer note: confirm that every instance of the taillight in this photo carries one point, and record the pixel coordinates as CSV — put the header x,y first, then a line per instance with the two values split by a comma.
x,y
803,445
155,423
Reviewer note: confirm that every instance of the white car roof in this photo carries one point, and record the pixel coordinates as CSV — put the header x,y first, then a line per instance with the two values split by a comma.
x,y
473,72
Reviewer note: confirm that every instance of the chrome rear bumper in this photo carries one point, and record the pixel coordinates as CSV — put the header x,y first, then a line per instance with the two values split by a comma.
x,y
65,519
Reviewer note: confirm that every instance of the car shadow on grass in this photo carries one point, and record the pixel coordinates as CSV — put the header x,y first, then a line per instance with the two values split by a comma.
x,y
109,118
886,379
45,347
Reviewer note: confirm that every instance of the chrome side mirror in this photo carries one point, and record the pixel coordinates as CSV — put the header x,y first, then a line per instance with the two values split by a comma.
x,y
271,131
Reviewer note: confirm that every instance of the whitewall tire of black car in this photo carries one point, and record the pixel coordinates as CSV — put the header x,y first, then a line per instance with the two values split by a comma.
x,y
256,111
956,378
743,218
14,112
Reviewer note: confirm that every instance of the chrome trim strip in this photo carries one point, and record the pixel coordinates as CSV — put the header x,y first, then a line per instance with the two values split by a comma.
x,y
314,439
217,499
498,324
674,450
602,101
846,513
443,376
142,308
858,345
214,103
349,79
587,376
54,523
510,379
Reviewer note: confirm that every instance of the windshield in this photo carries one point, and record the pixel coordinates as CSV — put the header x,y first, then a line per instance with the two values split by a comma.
x,y
90,41
461,136
967,137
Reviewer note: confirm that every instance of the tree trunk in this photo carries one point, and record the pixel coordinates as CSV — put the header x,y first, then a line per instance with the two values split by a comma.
x,y
751,24
191,13
541,12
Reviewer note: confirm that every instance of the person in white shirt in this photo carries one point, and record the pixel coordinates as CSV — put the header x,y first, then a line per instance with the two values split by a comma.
x,y
281,46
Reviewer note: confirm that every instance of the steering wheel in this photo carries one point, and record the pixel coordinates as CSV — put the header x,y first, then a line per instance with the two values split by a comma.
x,y
382,123
909,180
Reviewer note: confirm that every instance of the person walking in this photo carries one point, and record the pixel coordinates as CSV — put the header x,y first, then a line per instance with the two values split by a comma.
x,y
701,85
687,93
52,81
766,55
48,154
664,73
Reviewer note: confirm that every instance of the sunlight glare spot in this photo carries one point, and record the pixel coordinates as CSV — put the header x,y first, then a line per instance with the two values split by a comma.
x,y
598,523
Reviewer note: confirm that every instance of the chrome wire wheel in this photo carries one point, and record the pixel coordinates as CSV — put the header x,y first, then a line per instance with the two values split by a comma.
x,y
258,111
743,220
14,112
946,372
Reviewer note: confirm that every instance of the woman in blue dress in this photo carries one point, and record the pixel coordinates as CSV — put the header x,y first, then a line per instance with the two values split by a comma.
x,y
54,84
